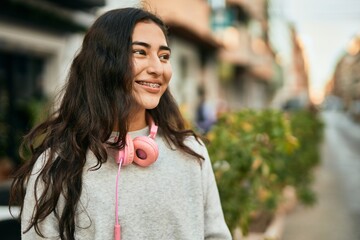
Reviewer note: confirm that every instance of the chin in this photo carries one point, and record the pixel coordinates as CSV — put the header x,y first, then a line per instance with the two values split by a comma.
x,y
150,104
147,102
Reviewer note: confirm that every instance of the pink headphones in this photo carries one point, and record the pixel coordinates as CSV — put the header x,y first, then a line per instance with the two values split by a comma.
x,y
143,150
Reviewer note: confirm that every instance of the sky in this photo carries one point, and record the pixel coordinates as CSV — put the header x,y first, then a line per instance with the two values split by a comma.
x,y
325,28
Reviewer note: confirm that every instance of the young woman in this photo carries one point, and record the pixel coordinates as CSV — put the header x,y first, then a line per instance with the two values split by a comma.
x,y
115,160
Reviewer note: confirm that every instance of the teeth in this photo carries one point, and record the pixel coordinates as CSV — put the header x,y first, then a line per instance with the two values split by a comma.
x,y
152,85
155,85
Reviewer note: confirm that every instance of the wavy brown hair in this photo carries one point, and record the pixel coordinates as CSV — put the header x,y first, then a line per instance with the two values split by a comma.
x,y
98,91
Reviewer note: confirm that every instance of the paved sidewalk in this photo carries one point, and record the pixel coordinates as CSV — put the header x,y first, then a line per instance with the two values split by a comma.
x,y
331,218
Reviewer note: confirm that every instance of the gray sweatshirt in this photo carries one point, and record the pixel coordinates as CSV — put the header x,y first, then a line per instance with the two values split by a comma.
x,y
174,198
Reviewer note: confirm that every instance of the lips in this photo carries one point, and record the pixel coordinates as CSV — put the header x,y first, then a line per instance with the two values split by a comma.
x,y
149,84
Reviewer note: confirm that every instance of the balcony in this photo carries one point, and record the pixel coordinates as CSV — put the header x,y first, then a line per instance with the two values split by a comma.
x,y
189,19
50,15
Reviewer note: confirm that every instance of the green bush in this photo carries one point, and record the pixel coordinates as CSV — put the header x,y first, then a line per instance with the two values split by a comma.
x,y
308,129
255,154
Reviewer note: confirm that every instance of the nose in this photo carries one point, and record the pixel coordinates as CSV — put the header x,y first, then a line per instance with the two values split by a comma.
x,y
155,66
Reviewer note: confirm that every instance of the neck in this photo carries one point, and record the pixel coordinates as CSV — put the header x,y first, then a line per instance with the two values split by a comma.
x,y
138,121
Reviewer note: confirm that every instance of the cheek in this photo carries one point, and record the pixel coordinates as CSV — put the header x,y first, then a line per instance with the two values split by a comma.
x,y
136,68
168,73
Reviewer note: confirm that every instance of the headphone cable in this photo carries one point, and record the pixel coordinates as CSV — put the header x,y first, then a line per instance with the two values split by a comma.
x,y
117,231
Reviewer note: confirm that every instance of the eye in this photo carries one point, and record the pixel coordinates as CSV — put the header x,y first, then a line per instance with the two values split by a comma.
x,y
164,57
139,52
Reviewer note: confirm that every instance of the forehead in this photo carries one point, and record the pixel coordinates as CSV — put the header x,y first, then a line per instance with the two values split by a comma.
x,y
148,31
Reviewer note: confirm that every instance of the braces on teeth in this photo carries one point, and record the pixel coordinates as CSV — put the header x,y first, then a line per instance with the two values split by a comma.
x,y
154,85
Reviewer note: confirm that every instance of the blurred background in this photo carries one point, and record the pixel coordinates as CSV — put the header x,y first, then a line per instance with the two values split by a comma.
x,y
295,61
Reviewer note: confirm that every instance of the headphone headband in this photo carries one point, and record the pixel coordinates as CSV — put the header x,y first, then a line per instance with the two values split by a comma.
x,y
153,128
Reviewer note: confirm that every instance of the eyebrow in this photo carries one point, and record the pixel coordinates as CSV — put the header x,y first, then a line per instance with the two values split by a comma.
x,y
144,44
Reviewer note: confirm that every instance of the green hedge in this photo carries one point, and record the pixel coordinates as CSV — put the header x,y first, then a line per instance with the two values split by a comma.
x,y
255,154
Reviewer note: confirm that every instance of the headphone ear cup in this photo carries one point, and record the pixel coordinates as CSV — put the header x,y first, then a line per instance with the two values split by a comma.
x,y
145,151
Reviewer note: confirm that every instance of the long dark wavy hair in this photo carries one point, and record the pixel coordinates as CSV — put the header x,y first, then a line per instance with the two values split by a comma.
x,y
96,97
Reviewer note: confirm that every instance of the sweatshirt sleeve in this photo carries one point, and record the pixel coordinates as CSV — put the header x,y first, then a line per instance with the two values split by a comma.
x,y
48,227
215,225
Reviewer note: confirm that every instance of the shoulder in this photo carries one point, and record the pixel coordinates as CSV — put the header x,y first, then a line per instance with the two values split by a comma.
x,y
196,144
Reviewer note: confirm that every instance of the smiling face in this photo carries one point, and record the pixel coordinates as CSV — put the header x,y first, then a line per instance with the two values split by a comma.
x,y
151,64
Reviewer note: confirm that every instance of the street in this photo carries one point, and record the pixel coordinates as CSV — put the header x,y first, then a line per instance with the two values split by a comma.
x,y
336,215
